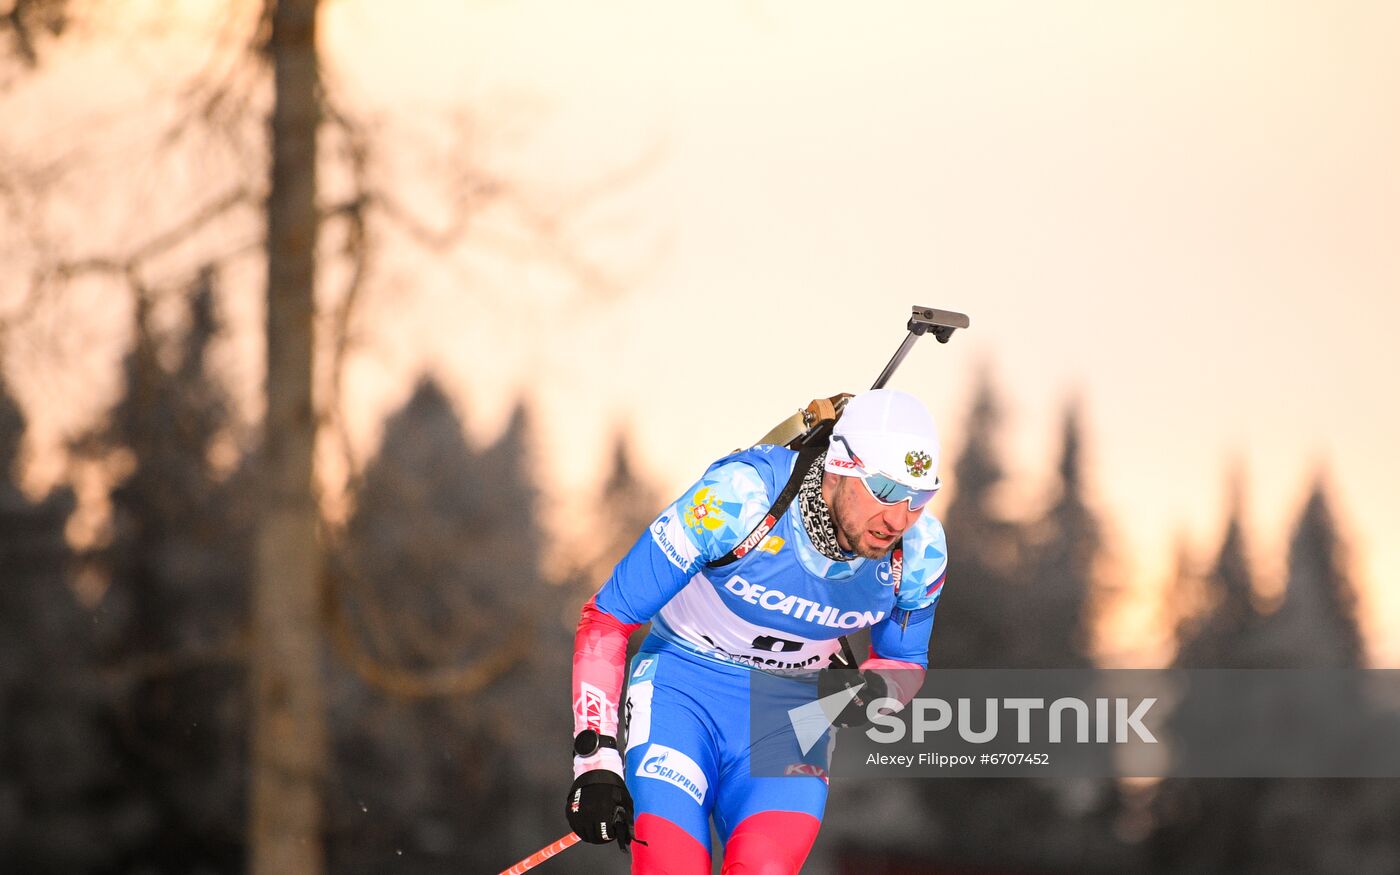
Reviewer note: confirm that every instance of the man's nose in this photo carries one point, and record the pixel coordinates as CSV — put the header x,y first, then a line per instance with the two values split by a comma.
x,y
898,517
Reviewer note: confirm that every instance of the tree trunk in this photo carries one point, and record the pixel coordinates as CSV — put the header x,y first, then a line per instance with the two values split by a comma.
x,y
289,736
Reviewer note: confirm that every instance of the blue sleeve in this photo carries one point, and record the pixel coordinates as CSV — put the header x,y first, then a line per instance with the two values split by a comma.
x,y
894,638
904,634
706,522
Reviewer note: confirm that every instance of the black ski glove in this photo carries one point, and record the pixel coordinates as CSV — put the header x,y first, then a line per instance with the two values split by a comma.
x,y
599,808
834,680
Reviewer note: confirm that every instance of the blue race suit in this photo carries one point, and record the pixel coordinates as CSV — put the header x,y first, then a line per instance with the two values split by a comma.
x,y
783,605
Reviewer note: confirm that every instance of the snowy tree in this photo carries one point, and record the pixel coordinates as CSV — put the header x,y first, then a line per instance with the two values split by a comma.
x,y
1222,630
629,504
979,614
1062,564
1208,826
231,173
1015,598
459,674
1258,825
1324,825
1315,625
175,605
62,807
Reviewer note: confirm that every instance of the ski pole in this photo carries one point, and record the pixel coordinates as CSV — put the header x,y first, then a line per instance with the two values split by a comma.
x,y
847,654
542,854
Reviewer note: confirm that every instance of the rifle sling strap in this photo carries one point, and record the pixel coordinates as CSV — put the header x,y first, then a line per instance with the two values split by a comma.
x,y
805,457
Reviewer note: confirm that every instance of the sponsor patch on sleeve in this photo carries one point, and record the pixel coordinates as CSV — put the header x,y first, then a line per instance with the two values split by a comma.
x,y
592,708
669,534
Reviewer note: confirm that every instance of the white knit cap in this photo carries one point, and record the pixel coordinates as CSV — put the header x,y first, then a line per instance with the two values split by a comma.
x,y
891,433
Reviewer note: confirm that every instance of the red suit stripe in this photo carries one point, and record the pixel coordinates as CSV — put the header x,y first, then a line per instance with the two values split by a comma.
x,y
770,843
600,655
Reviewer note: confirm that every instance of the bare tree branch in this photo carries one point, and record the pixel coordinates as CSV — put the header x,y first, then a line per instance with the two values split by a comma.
x,y
239,196
454,681
54,275
221,101
136,670
156,246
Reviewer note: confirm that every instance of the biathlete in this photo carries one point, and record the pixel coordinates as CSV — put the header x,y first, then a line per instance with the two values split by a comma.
x,y
759,566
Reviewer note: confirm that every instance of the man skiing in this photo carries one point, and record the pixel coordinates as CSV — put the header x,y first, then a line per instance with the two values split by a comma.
x,y
753,569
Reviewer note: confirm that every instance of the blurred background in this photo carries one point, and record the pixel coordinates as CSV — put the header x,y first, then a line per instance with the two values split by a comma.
x,y
564,256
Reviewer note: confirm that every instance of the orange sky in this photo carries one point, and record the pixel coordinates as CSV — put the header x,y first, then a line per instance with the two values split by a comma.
x,y
1187,213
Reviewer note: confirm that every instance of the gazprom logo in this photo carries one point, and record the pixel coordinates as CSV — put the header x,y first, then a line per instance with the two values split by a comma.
x,y
669,535
670,765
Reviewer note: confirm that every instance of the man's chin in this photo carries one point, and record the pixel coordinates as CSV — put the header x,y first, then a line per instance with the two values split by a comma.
x,y
866,547
870,548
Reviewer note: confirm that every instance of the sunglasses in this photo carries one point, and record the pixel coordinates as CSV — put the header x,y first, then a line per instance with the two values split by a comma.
x,y
887,490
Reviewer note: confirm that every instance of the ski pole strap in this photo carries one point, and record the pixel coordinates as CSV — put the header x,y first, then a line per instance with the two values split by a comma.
x,y
542,854
805,457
